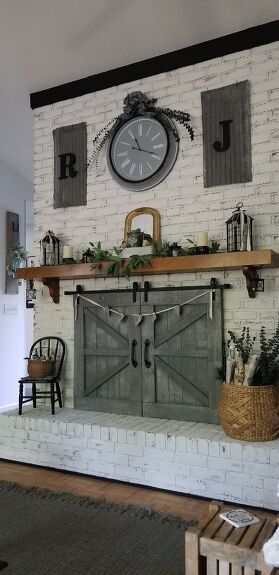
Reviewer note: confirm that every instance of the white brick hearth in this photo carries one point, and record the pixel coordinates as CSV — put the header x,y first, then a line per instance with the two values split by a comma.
x,y
192,458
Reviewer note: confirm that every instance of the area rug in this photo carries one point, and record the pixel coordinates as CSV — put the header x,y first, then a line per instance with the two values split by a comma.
x,y
43,533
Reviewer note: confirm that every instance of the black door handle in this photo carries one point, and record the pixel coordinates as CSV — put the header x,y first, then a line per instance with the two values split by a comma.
x,y
133,353
146,288
135,289
146,360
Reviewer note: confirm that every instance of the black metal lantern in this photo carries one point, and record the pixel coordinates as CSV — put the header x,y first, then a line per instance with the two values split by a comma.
x,y
49,250
239,231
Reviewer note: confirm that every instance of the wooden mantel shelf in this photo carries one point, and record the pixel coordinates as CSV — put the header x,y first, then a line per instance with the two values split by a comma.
x,y
50,275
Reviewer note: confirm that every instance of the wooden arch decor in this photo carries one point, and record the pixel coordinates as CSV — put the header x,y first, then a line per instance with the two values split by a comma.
x,y
141,211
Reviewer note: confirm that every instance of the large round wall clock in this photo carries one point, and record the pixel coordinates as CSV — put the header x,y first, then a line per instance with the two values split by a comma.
x,y
142,151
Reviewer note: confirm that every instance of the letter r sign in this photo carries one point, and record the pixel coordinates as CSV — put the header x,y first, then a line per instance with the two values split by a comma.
x,y
70,166
67,163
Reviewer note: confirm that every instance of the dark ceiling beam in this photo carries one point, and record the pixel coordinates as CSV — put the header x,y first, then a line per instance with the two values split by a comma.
x,y
243,40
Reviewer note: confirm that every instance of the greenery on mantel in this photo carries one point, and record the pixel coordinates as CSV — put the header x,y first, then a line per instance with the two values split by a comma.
x,y
117,266
163,249
212,248
120,267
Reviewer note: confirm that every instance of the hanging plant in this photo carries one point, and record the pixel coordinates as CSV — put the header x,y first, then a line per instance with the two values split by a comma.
x,y
138,104
17,255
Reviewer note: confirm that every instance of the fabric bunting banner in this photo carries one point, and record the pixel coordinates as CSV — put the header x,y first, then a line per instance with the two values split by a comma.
x,y
140,317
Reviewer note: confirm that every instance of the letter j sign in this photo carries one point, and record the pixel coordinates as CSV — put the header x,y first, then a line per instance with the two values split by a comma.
x,y
70,170
226,120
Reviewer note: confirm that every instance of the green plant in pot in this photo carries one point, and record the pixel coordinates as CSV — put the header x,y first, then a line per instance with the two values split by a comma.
x,y
17,256
248,406
135,238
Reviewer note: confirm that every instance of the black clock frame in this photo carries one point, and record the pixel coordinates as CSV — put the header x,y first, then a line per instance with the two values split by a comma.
x,y
166,166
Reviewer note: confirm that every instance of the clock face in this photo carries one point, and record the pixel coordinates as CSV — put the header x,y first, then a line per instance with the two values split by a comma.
x,y
139,153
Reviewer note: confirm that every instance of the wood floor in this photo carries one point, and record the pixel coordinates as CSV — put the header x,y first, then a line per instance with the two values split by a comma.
x,y
179,505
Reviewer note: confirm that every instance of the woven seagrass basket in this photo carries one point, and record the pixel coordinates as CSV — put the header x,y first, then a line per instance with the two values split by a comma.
x,y
40,368
250,413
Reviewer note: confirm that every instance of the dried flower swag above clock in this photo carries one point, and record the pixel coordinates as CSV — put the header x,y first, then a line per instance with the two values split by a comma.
x,y
138,104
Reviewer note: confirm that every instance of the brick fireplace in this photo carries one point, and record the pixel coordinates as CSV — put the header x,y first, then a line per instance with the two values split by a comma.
x,y
185,206
222,468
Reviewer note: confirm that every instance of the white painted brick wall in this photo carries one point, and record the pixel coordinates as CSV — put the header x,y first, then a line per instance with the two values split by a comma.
x,y
186,207
136,450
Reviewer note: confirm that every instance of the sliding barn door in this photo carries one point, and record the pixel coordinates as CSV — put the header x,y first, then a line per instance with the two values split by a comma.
x,y
108,356
181,353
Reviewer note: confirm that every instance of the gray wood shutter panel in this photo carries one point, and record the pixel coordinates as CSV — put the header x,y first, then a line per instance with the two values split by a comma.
x,y
105,377
226,111
70,166
185,353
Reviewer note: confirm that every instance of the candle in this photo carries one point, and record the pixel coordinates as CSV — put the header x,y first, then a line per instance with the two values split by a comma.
x,y
202,239
67,252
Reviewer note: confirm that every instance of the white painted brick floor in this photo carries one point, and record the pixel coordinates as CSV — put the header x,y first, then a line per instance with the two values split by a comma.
x,y
187,457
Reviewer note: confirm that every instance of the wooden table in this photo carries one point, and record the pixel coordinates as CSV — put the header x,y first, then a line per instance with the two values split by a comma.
x,y
217,548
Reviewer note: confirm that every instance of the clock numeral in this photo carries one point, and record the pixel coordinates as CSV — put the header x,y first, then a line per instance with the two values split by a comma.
x,y
157,146
148,129
131,134
156,136
123,154
140,169
125,143
132,169
156,156
148,165
125,163
140,129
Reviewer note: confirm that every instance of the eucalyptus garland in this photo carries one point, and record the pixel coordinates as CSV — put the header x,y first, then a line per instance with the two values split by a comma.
x,y
117,266
138,104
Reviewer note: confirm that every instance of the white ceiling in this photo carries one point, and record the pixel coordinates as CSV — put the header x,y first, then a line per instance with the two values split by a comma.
x,y
44,43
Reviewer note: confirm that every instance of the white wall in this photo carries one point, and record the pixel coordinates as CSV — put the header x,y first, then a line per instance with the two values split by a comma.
x,y
14,190
185,206
16,117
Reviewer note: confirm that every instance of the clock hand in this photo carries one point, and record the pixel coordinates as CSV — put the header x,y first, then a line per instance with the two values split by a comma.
x,y
137,145
141,150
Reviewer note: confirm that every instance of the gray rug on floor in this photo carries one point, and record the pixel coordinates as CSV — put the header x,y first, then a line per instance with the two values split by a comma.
x,y
43,533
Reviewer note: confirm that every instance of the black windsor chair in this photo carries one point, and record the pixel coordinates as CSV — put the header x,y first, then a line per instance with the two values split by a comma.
x,y
49,347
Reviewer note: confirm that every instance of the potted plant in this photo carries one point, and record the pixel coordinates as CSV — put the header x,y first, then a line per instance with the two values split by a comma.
x,y
18,256
248,406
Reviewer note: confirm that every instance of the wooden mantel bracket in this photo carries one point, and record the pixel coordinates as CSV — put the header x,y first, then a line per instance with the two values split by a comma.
x,y
251,275
53,287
